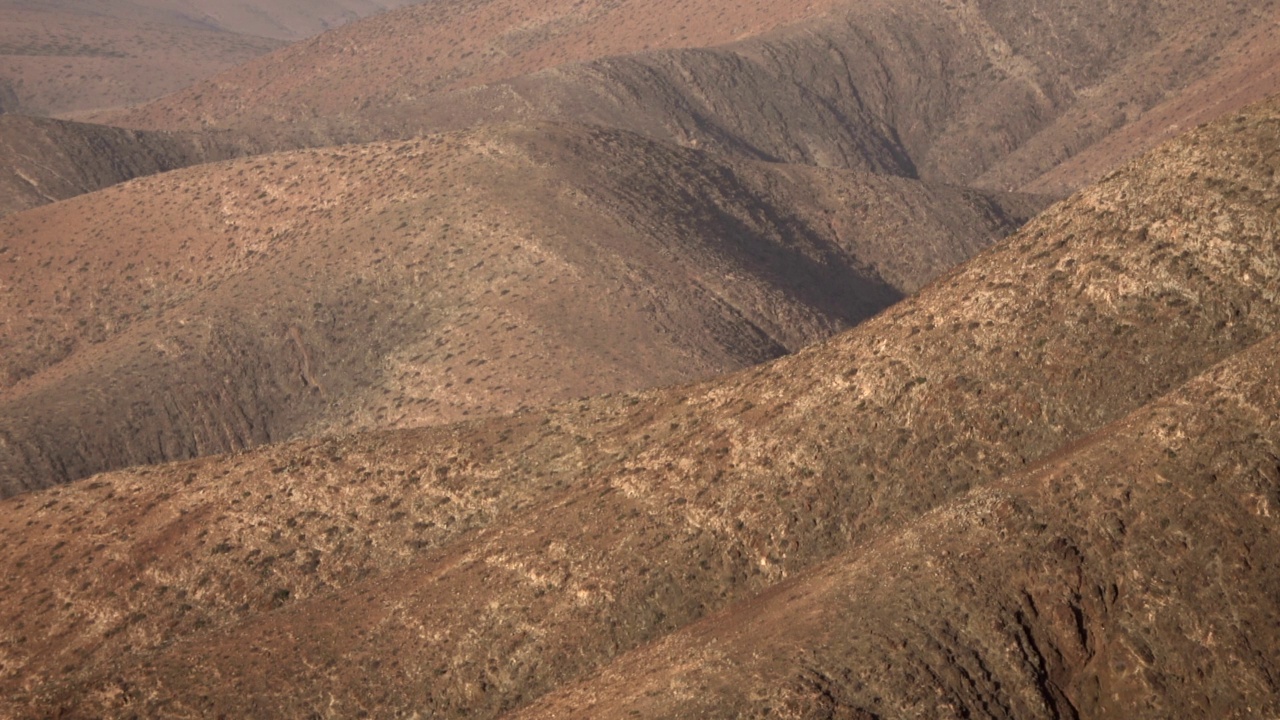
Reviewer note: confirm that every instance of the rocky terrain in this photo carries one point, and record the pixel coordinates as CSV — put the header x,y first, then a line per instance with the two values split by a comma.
x,y
282,19
989,93
960,93
1030,597
57,60
432,280
1041,486
48,160
680,358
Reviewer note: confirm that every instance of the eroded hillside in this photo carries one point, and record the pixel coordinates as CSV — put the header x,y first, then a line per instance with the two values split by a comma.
x,y
389,285
48,160
1032,597
994,93
469,570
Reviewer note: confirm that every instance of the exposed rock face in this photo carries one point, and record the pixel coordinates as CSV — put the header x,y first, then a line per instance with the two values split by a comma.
x,y
469,570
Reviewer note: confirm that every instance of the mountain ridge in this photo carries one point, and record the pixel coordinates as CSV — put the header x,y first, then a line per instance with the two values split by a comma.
x,y
951,92
457,261
599,527
1023,598
50,160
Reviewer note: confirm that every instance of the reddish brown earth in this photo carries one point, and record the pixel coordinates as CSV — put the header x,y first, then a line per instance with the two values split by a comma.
x,y
73,57
994,92
283,19
1247,71
440,46
47,160
390,285
960,93
65,60
1042,486
1031,597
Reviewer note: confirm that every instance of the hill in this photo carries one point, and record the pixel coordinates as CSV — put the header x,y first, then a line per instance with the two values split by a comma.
x,y
1028,598
969,99
48,160
470,570
433,280
419,50
57,60
952,92
1248,71
281,19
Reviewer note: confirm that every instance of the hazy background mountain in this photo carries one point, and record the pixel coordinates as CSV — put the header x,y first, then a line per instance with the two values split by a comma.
x,y
58,60
282,19
63,57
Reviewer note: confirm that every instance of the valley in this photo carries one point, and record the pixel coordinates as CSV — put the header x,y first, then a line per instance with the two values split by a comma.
x,y
678,359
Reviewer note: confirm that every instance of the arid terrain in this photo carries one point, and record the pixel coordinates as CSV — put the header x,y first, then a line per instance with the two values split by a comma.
x,y
68,57
48,160
62,60
468,570
282,19
992,93
672,359
427,281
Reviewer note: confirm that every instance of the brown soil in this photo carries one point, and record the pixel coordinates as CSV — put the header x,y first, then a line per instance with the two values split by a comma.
x,y
434,280
1032,597
956,92
442,46
282,19
842,508
66,60
49,160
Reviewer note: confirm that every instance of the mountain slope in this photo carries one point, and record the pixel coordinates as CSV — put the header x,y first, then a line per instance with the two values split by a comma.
x,y
65,60
467,570
1248,72
49,160
997,93
441,46
1031,597
281,19
430,281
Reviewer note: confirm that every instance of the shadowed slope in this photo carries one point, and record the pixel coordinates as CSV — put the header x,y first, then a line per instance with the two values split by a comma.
x,y
997,92
49,160
467,570
390,285
408,54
